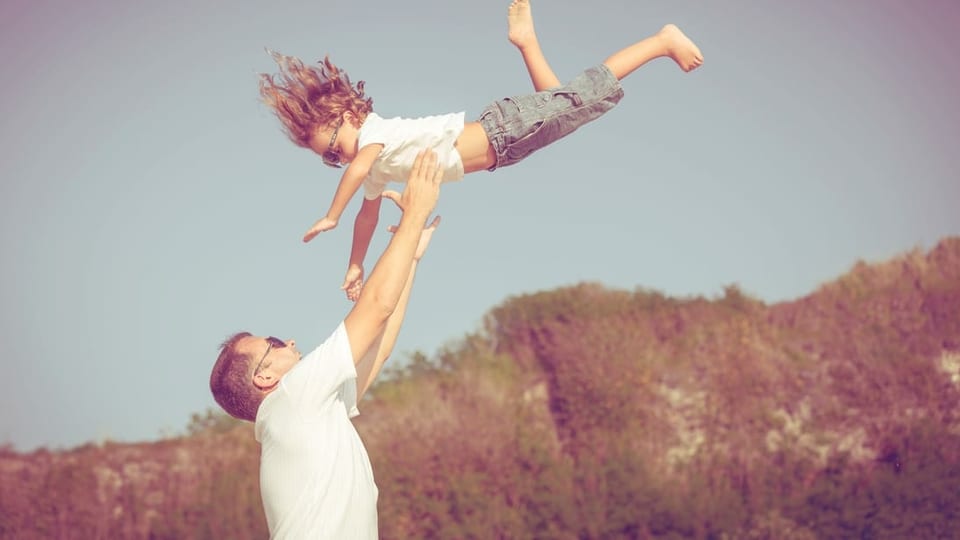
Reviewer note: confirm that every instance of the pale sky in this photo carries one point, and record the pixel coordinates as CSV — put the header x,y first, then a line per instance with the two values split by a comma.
x,y
152,206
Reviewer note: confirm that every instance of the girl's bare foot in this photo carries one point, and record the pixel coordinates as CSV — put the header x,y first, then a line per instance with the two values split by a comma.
x,y
520,30
679,47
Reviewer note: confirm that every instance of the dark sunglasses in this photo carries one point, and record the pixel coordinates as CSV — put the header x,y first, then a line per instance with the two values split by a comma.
x,y
272,343
331,157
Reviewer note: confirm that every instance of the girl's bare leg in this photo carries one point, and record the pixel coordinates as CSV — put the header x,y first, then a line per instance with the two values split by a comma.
x,y
520,32
669,41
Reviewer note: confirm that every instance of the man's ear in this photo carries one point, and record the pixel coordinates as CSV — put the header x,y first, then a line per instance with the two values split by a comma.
x,y
264,380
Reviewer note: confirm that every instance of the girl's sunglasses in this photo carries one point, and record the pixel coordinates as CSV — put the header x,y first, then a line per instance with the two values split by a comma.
x,y
331,157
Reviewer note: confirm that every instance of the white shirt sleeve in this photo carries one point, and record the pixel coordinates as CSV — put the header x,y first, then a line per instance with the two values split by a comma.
x,y
317,380
373,186
374,131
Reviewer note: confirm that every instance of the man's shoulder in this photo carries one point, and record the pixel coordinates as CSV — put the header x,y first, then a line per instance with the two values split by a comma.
x,y
333,344
329,354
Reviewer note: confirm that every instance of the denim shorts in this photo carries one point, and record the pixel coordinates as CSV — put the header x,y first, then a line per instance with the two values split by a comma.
x,y
519,126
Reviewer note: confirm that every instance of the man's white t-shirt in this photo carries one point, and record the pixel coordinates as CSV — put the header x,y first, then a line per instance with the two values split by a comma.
x,y
315,476
402,140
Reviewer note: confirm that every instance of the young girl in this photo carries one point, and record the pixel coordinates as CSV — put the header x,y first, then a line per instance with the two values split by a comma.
x,y
320,109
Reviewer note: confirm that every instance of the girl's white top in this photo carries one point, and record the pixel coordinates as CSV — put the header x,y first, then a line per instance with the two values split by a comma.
x,y
402,140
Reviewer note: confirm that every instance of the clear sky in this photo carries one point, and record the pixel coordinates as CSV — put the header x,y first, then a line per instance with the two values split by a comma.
x,y
151,205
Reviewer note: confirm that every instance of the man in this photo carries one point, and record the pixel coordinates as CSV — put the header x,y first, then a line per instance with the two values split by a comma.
x,y
315,475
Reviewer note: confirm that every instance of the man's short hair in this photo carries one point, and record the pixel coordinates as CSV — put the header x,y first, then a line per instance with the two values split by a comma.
x,y
231,381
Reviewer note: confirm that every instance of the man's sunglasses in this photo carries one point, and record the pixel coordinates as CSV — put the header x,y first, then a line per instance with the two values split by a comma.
x,y
272,343
331,157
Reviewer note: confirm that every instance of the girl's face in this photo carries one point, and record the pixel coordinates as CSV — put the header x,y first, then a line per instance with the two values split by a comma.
x,y
337,143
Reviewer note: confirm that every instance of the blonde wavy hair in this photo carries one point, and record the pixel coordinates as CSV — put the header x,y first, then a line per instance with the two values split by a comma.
x,y
305,98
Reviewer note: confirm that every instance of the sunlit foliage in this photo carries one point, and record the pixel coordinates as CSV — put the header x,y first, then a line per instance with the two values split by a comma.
x,y
585,412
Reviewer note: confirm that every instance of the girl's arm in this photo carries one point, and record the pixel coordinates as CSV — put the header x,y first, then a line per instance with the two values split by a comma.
x,y
350,182
363,228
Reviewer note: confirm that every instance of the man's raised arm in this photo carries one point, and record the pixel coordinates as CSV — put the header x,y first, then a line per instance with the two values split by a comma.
x,y
369,366
378,300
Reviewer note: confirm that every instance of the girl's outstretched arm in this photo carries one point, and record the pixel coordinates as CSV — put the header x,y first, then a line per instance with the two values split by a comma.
x,y
350,182
363,228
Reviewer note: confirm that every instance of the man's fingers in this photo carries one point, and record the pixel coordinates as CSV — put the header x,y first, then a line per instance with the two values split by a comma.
x,y
433,225
425,163
426,159
393,196
418,162
430,160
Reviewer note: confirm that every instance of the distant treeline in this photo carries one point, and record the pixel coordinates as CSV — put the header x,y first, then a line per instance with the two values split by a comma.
x,y
585,413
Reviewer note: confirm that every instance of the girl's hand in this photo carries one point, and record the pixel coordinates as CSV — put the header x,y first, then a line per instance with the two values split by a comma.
x,y
324,224
353,282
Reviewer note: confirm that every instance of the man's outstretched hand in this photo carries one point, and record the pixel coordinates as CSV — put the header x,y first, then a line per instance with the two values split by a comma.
x,y
425,237
416,202
423,187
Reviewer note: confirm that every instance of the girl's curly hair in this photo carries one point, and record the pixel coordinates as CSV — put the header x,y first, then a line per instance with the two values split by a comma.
x,y
307,97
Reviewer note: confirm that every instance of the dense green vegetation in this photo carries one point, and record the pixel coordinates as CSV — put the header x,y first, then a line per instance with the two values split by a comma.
x,y
586,412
